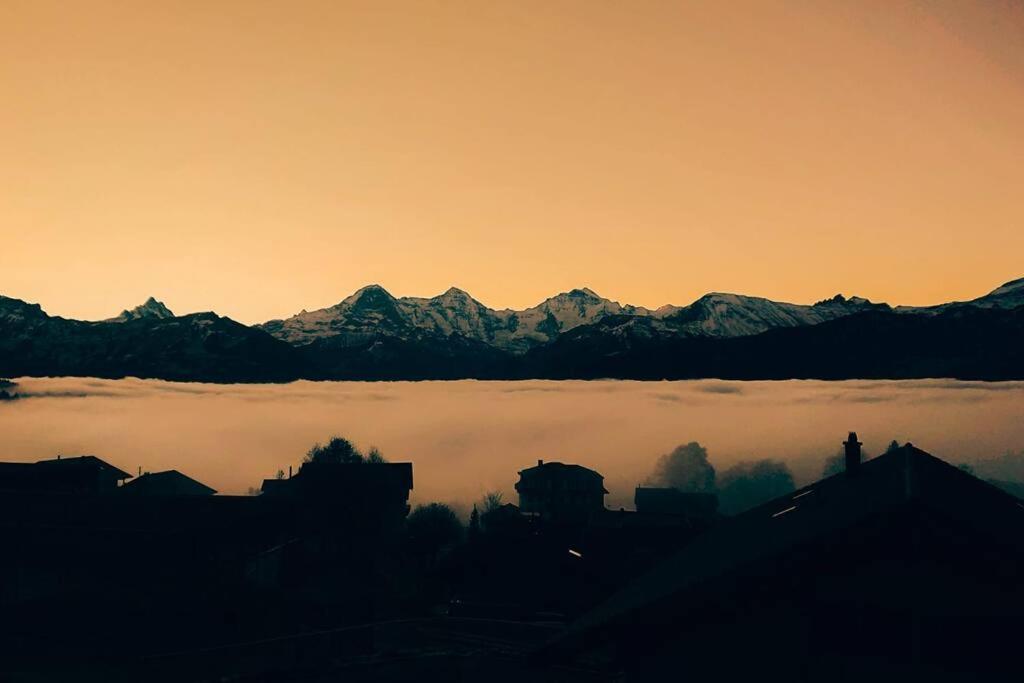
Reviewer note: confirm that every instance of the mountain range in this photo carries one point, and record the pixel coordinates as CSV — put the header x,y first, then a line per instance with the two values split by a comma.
x,y
577,334
372,311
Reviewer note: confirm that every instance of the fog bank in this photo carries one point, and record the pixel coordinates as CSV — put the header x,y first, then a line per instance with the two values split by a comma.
x,y
469,437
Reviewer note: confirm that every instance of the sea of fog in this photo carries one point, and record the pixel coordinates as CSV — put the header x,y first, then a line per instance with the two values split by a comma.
x,y
468,437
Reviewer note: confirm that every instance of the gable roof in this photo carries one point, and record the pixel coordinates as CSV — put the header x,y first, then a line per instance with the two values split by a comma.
x,y
815,511
80,473
81,464
168,483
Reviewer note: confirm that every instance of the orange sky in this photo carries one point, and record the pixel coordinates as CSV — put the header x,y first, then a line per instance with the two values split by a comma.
x,y
256,158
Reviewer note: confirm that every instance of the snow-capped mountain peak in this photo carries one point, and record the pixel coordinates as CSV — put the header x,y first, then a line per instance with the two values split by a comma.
x,y
372,311
722,314
368,295
150,309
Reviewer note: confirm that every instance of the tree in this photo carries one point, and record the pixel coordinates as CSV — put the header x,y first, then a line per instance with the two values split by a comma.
x,y
834,464
686,468
431,528
491,501
340,450
894,445
748,484
474,524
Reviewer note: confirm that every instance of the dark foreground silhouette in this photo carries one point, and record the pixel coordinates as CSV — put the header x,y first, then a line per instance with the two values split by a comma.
x,y
897,568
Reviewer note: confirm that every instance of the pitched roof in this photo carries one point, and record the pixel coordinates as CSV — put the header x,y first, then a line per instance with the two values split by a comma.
x,y
81,463
823,508
559,467
169,483
543,470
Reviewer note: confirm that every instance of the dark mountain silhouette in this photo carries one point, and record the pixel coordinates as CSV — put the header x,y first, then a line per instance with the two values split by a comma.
x,y
962,342
424,356
373,335
196,347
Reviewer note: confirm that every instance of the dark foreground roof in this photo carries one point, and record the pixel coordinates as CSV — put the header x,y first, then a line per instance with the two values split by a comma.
x,y
82,463
824,508
674,502
542,471
333,478
169,483
58,473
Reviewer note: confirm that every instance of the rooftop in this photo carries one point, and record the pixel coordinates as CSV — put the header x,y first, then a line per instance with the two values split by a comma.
x,y
171,482
823,508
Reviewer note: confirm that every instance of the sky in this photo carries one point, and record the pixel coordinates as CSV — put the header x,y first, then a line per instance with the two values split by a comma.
x,y
257,158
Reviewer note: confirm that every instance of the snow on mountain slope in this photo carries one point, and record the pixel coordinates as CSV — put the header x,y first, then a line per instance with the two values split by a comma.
x,y
454,312
372,311
359,317
1007,296
561,313
150,309
734,315
1010,295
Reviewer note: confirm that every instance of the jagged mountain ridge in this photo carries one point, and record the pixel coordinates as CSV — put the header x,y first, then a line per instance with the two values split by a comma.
x,y
151,308
195,347
372,335
962,342
372,312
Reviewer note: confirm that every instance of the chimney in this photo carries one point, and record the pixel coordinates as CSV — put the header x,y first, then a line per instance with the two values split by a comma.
x,y
539,463
289,471
852,453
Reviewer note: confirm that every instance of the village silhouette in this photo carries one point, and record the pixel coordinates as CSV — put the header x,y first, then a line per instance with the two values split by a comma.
x,y
898,567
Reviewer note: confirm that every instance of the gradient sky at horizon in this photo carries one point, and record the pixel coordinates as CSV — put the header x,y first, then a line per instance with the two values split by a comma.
x,y
256,158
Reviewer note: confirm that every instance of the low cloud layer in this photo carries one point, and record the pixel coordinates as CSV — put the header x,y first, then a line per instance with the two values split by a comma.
x,y
469,437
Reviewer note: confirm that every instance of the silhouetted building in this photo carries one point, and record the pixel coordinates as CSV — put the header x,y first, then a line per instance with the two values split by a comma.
x,y
670,501
851,450
559,491
79,474
169,483
347,483
909,570
503,515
